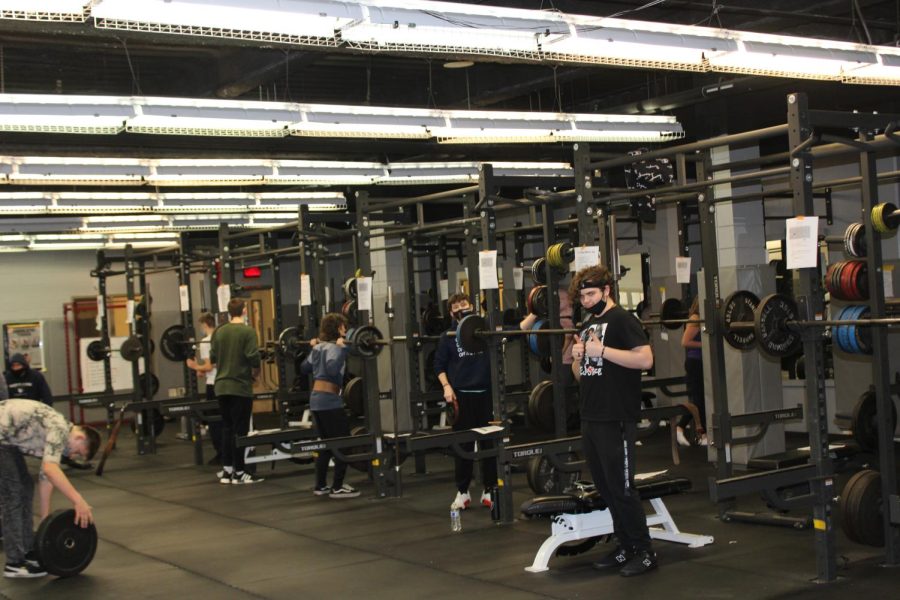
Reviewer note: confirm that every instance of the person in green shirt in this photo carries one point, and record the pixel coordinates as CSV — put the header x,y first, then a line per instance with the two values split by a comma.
x,y
234,352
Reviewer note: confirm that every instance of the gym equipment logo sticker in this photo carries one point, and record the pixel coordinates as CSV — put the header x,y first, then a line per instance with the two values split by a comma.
x,y
592,366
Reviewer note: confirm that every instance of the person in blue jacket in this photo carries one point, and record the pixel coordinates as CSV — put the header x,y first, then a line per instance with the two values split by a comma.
x,y
24,382
326,361
466,378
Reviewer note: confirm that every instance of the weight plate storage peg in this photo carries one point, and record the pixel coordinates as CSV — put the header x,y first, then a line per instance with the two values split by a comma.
x,y
739,307
63,548
773,333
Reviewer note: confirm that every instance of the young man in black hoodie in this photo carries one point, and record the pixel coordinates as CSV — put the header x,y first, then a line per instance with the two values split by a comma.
x,y
24,382
466,378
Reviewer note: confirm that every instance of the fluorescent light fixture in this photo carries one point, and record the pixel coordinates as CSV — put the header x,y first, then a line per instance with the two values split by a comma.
x,y
799,58
468,172
626,43
173,116
444,27
301,22
886,71
38,113
323,120
320,172
73,171
193,172
45,10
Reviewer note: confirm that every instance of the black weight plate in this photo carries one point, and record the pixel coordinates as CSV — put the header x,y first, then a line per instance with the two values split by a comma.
x,y
349,310
539,271
363,341
540,406
738,308
865,421
96,351
672,310
466,334
173,344
288,342
63,548
132,349
354,397
544,479
154,386
350,288
862,508
773,335
433,322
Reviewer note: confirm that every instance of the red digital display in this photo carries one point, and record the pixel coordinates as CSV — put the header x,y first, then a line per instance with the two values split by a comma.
x,y
252,273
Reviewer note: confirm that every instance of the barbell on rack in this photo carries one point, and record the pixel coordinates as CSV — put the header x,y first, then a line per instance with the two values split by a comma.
x,y
131,349
364,341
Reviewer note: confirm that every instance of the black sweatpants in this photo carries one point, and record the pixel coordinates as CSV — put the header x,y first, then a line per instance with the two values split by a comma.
x,y
16,502
609,451
235,422
475,410
215,426
331,424
693,372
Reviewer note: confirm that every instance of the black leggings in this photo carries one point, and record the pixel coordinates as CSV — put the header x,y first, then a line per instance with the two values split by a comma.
x,y
235,422
693,371
331,424
475,410
609,452
215,426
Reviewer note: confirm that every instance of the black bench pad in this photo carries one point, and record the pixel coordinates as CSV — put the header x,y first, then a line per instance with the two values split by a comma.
x,y
797,457
590,501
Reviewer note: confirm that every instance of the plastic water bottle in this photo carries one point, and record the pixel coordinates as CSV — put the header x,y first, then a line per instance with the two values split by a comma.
x,y
455,520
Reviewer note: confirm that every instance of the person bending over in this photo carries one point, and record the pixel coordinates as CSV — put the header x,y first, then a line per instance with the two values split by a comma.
x,y
29,427
326,362
610,351
234,352
466,378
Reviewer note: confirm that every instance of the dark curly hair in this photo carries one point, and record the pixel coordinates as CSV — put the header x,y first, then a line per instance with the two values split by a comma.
x,y
330,327
597,274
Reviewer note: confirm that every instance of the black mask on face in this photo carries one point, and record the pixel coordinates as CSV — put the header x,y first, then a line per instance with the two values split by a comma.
x,y
461,314
597,308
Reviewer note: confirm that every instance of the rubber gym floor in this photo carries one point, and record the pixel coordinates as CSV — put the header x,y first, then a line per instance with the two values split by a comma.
x,y
168,530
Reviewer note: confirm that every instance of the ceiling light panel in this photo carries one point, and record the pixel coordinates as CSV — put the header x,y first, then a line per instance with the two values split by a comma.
x,y
39,113
46,10
73,171
283,21
761,57
322,120
174,116
444,27
885,72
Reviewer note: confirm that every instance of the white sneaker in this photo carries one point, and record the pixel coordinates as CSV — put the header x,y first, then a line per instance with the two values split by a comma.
x,y
245,479
704,441
679,435
486,500
462,501
345,491
224,476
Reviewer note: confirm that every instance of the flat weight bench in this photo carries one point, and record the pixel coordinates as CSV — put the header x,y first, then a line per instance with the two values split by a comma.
x,y
583,516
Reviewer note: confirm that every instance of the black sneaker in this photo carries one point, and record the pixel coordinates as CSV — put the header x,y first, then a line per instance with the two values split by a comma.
x,y
640,563
322,491
345,491
615,559
23,571
31,559
245,479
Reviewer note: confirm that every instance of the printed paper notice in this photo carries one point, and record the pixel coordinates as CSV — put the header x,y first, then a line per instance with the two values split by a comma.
x,y
223,295
444,289
364,296
129,311
586,256
802,242
888,272
184,298
519,278
101,307
305,295
487,270
682,269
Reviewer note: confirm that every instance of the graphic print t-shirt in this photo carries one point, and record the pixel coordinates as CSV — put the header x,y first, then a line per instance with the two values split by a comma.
x,y
611,392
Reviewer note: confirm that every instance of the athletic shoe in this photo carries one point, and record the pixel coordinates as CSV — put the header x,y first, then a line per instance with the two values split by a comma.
x,y
486,500
639,564
345,491
321,491
679,435
23,571
704,441
245,478
31,559
224,476
615,559
462,501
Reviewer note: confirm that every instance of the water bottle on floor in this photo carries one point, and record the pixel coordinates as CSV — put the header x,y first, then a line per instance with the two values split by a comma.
x,y
455,520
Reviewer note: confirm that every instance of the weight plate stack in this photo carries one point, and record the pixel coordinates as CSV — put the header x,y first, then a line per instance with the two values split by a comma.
x,y
539,271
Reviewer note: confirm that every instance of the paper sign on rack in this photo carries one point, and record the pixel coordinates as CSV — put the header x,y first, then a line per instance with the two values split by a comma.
x,y
682,269
487,270
129,311
802,234
586,256
223,295
444,287
364,293
184,298
519,278
305,292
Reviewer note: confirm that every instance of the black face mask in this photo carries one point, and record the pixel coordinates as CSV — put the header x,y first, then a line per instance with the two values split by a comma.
x,y
597,308
461,314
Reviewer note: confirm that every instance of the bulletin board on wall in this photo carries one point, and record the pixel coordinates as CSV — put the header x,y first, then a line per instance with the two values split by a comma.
x,y
27,339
